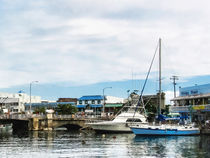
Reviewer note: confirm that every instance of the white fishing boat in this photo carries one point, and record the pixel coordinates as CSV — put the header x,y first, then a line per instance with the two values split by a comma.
x,y
118,125
166,129
123,119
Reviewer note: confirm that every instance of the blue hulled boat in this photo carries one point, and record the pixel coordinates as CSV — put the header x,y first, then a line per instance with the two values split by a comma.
x,y
165,130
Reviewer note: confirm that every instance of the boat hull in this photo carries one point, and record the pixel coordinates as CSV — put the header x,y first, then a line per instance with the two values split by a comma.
x,y
164,132
111,128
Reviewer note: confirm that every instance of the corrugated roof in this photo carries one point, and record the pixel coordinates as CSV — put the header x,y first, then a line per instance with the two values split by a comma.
x,y
91,97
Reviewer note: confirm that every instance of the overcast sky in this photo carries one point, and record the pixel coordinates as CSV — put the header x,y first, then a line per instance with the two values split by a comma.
x,y
89,41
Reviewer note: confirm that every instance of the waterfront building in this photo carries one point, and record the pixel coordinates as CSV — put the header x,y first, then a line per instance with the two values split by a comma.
x,y
113,104
93,104
149,100
195,101
154,100
15,102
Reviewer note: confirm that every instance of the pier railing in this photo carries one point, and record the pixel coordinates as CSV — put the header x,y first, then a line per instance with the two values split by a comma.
x,y
54,116
20,116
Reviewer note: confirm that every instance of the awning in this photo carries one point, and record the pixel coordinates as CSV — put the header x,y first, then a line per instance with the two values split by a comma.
x,y
81,106
96,105
113,105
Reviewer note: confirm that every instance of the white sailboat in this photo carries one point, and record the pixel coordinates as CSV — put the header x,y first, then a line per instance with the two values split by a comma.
x,y
166,129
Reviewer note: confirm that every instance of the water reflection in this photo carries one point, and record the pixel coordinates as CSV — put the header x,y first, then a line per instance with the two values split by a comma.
x,y
204,144
174,146
79,144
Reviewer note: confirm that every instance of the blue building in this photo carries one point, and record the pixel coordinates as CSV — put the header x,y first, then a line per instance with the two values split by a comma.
x,y
194,100
90,104
195,90
93,104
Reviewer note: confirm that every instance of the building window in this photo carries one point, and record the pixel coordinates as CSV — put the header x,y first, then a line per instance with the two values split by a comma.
x,y
93,102
15,110
86,101
15,104
99,101
80,102
208,101
193,92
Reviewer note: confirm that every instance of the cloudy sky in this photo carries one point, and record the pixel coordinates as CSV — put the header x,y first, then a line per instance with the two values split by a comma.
x,y
86,42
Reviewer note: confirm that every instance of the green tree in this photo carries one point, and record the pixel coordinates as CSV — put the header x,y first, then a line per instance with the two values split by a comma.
x,y
151,110
40,110
166,110
65,109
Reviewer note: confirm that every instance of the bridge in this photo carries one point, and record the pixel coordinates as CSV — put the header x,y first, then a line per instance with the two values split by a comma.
x,y
44,122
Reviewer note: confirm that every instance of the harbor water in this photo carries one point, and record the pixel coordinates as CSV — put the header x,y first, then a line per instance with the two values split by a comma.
x,y
63,144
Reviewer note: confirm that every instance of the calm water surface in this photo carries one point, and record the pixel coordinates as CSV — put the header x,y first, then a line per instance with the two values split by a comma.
x,y
76,144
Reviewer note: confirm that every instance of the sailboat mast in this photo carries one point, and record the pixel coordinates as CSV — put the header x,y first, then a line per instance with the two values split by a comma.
x,y
159,105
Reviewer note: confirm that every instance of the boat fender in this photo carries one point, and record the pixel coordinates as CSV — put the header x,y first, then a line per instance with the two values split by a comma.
x,y
103,135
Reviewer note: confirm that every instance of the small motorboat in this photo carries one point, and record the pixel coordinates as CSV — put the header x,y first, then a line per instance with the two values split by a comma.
x,y
5,128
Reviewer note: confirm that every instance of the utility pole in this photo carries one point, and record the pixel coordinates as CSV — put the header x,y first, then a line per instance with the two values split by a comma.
x,y
30,94
174,78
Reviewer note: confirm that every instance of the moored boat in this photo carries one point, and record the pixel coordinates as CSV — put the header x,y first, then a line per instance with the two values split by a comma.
x,y
165,130
120,124
5,128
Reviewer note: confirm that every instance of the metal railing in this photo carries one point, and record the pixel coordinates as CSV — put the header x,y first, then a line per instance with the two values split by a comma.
x,y
63,116
54,116
20,116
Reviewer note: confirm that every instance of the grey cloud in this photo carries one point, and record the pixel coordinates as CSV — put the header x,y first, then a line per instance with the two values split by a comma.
x,y
87,41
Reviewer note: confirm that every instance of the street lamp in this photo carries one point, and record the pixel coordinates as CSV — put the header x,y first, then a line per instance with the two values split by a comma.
x,y
104,99
30,92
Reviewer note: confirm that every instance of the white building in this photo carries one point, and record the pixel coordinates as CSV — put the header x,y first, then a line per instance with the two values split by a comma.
x,y
114,100
14,102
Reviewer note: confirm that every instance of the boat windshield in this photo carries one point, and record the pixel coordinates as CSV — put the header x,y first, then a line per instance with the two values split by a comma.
x,y
133,120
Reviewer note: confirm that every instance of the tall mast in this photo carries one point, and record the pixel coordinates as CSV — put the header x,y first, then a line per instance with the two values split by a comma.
x,y
159,105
